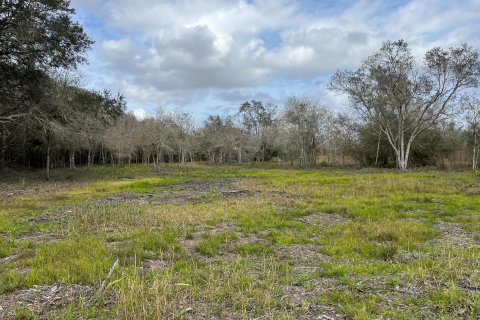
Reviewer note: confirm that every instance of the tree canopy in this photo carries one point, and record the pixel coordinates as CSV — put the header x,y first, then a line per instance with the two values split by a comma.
x,y
404,99
35,37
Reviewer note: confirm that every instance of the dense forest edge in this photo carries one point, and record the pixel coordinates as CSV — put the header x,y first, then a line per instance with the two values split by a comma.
x,y
405,113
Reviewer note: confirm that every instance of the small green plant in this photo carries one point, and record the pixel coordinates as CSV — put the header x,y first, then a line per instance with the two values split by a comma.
x,y
258,248
212,244
23,313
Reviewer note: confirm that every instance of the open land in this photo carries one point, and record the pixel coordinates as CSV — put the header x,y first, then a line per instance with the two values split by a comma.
x,y
240,242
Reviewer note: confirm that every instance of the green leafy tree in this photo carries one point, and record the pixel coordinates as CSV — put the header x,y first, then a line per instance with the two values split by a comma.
x,y
35,36
403,99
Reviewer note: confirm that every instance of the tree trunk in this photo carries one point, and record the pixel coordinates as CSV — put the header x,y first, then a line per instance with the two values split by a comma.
x,y
302,161
161,158
48,159
402,156
378,147
104,155
401,150
240,154
72,159
89,158
475,151
4,150
476,158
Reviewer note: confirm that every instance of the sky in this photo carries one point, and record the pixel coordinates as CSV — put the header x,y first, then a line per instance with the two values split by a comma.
x,y
209,56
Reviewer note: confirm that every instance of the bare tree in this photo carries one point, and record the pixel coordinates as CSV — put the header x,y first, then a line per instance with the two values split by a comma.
x,y
257,118
309,124
122,138
184,128
402,99
341,138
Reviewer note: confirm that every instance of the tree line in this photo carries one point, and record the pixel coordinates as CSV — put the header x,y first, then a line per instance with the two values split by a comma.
x,y
405,111
94,128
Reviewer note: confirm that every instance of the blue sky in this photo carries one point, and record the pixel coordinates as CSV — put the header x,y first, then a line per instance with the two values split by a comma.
x,y
208,56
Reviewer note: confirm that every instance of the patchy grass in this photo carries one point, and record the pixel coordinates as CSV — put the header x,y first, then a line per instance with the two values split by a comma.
x,y
212,244
80,260
197,241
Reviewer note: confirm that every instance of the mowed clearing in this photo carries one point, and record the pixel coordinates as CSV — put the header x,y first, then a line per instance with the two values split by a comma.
x,y
238,242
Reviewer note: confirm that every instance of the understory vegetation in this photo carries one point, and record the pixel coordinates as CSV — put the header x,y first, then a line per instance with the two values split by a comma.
x,y
408,111
191,241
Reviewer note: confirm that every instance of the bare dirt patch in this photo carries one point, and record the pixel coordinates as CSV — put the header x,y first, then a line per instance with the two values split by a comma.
x,y
303,255
9,192
61,215
323,219
40,237
188,191
248,239
156,265
41,300
11,258
302,300
453,234
118,244
407,256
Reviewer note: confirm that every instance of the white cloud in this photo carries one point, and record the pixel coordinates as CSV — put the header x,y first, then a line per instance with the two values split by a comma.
x,y
139,113
186,52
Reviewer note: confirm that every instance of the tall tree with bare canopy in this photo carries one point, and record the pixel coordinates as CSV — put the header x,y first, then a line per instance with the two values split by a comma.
x,y
404,99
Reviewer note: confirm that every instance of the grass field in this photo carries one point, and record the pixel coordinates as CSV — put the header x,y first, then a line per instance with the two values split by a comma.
x,y
235,242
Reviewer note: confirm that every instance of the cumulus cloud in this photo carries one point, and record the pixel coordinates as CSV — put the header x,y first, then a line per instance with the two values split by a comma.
x,y
139,113
188,53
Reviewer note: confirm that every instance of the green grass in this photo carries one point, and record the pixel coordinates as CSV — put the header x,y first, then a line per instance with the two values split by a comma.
x,y
397,245
78,260
254,248
212,244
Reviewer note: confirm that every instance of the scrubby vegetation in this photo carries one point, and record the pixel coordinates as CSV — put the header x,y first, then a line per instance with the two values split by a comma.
x,y
262,213
406,113
198,241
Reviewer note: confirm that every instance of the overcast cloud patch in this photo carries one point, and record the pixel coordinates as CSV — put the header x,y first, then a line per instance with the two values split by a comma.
x,y
217,53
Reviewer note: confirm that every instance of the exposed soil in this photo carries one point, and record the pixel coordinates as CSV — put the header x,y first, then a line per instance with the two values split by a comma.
x,y
156,265
7,192
10,258
325,219
188,191
303,302
453,234
303,254
118,244
60,215
194,190
406,256
41,299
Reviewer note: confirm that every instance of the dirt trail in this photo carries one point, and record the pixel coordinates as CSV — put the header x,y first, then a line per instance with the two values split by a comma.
x,y
180,193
